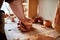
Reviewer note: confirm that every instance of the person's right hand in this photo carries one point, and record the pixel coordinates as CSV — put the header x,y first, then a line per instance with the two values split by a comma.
x,y
25,27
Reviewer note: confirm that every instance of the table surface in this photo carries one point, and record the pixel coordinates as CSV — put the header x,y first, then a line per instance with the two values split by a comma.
x,y
12,32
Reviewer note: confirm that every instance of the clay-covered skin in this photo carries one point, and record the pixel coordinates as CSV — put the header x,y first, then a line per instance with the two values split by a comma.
x,y
57,19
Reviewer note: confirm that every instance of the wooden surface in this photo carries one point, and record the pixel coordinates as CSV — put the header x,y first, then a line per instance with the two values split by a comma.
x,y
12,33
32,8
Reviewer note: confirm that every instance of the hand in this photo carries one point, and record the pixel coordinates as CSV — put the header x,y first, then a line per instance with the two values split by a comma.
x,y
26,27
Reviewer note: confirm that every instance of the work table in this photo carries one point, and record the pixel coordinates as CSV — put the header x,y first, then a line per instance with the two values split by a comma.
x,y
13,33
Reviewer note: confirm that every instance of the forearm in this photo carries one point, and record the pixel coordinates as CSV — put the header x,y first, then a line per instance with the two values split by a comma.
x,y
17,8
57,18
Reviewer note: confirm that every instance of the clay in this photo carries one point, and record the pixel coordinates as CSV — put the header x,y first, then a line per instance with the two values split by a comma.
x,y
12,19
11,14
6,15
22,28
47,23
38,20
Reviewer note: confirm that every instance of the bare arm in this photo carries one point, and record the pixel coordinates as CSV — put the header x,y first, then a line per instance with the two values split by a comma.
x,y
17,8
57,18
